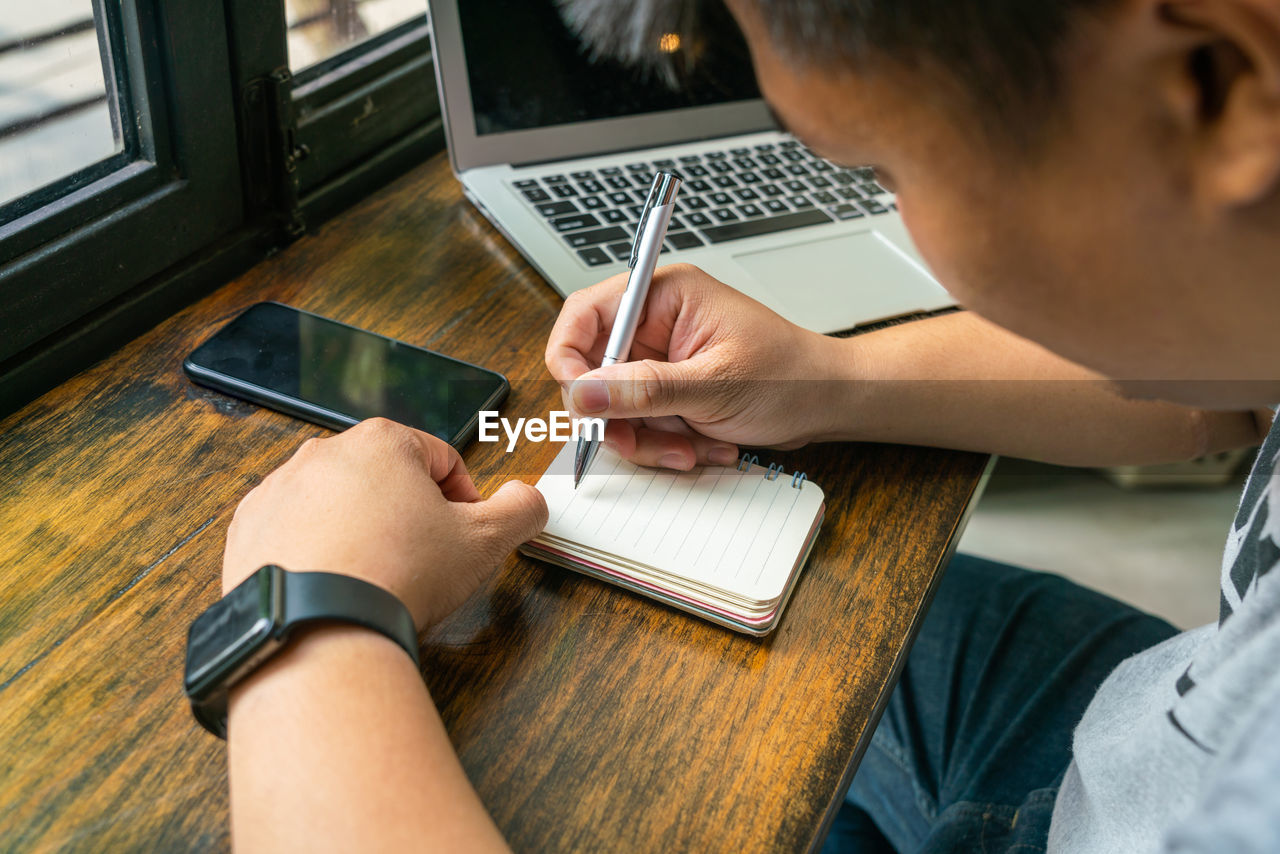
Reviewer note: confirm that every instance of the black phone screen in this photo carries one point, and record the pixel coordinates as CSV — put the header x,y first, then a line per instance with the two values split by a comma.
x,y
316,368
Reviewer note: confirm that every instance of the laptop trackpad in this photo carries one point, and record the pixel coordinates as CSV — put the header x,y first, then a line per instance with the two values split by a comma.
x,y
839,282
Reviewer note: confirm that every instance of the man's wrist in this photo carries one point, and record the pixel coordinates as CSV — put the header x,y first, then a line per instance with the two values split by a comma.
x,y
311,667
839,402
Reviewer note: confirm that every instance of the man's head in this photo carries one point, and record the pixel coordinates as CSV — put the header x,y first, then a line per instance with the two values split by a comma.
x,y
1098,175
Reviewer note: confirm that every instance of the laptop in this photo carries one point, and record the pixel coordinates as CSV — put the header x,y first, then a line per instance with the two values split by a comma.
x,y
558,150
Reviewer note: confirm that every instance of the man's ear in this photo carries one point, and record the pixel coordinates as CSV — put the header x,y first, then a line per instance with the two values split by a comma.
x,y
1226,95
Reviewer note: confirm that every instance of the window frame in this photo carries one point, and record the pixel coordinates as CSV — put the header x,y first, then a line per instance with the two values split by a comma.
x,y
175,195
236,157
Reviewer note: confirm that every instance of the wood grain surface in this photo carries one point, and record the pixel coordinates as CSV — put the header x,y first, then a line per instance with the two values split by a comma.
x,y
588,718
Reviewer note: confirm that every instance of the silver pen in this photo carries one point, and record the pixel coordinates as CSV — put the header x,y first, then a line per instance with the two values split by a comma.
x,y
651,230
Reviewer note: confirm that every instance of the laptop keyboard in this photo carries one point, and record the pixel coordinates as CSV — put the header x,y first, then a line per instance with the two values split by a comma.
x,y
726,195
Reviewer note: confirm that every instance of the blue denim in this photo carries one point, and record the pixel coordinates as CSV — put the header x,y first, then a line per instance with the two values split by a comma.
x,y
977,735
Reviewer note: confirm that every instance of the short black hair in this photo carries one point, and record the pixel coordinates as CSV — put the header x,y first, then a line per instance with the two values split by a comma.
x,y
1003,53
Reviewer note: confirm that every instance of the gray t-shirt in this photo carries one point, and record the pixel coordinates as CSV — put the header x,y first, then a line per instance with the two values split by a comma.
x,y
1180,748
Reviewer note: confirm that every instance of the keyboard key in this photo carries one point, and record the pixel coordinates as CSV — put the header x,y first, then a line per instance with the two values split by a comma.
x,y
739,152
611,170
584,176
789,143
716,155
848,193
569,223
618,182
694,203
591,186
821,166
797,169
846,211
675,224
527,184
765,225
697,219
696,171
595,256
641,195
724,181
554,179
744,163
765,146
724,215
750,210
537,195
793,155
579,239
795,186
775,206
691,158
557,208
800,202
873,207
747,195
664,164
593,203
564,191
620,198
774,174
637,167
875,188
613,215
721,166
684,240
824,198
700,186
720,199
770,159
642,179
635,211
842,177
621,251
819,183
770,189
749,178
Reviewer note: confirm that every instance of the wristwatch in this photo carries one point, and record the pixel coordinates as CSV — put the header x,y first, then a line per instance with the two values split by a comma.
x,y
247,626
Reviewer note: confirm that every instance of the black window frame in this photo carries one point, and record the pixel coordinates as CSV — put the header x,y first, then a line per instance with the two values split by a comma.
x,y
236,156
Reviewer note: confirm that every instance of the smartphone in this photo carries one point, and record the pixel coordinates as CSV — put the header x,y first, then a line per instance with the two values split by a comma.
x,y
336,375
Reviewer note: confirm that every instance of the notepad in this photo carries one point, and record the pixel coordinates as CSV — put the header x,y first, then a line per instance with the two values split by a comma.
x,y
725,543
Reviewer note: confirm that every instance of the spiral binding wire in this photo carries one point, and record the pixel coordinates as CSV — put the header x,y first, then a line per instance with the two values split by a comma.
x,y
748,460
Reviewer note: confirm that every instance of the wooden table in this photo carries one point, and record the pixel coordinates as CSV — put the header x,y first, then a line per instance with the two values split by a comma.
x,y
589,719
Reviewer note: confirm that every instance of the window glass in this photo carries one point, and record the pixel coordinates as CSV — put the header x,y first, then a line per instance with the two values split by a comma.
x,y
57,94
318,29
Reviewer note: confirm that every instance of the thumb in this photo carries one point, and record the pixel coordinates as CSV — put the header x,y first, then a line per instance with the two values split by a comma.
x,y
514,514
645,389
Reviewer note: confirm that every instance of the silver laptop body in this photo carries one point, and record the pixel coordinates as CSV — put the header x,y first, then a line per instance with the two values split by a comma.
x,y
822,245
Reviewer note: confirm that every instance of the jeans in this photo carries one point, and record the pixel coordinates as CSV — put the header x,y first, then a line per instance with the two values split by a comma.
x,y
977,735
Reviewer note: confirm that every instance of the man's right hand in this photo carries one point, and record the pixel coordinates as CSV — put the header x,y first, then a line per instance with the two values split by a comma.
x,y
710,369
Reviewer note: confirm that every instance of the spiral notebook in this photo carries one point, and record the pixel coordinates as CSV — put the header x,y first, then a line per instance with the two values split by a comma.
x,y
725,543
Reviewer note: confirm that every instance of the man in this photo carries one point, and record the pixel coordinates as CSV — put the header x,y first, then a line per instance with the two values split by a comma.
x,y
1100,181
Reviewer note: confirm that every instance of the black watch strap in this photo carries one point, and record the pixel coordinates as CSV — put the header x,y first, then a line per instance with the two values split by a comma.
x,y
319,596
298,599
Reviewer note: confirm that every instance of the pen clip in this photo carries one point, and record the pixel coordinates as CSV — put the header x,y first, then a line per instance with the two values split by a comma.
x,y
644,219
662,192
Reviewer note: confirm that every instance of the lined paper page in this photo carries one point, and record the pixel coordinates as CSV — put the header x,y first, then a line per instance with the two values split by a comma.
x,y
733,531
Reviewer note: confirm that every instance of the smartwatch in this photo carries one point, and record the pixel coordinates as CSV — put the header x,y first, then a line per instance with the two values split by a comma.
x,y
247,626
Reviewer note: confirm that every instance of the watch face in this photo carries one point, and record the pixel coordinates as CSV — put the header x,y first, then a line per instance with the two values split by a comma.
x,y
223,638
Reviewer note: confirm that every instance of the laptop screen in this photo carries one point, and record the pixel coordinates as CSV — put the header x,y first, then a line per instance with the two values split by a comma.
x,y
528,70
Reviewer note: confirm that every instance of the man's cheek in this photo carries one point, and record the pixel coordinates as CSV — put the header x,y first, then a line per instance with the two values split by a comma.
x,y
932,239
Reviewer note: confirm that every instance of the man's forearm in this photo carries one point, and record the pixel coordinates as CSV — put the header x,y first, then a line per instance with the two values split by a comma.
x,y
957,381
335,745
